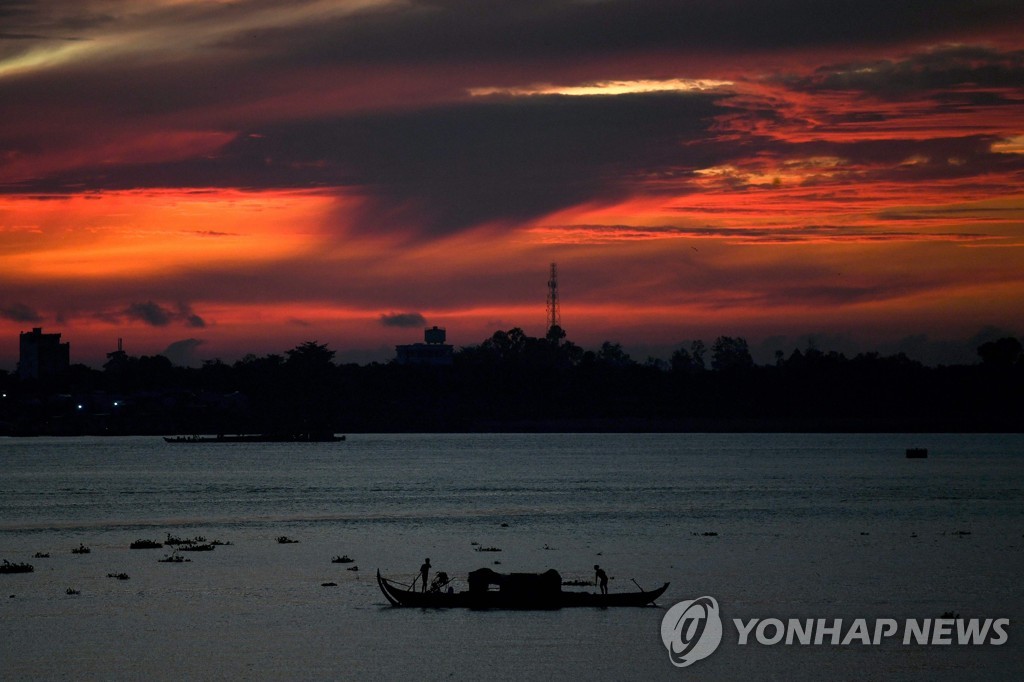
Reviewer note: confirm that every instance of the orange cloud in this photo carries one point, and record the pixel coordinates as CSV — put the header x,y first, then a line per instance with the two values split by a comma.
x,y
119,235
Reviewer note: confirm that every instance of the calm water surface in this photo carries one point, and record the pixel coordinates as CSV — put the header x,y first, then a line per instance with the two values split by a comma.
x,y
781,525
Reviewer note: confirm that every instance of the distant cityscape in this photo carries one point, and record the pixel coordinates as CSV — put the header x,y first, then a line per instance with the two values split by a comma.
x,y
509,382
45,356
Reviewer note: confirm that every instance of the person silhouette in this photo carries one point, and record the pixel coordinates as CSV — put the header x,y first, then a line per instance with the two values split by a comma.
x,y
424,572
601,578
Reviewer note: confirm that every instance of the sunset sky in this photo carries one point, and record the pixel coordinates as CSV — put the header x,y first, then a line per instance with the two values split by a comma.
x,y
209,179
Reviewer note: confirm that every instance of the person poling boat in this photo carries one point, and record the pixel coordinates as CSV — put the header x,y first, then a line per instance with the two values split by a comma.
x,y
424,572
601,579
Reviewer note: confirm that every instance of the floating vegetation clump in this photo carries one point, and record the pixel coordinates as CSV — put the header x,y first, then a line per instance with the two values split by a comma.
x,y
8,567
146,544
205,547
199,543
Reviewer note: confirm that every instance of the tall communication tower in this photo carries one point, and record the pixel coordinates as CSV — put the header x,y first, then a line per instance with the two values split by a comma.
x,y
554,316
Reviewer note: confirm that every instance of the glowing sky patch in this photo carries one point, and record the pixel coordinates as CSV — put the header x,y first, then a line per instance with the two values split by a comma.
x,y
138,234
608,88
1012,145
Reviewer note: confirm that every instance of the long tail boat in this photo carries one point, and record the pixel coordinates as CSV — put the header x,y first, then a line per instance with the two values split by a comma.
x,y
514,591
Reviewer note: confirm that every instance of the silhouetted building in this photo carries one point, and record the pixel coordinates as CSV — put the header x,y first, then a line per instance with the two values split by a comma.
x,y
42,355
433,352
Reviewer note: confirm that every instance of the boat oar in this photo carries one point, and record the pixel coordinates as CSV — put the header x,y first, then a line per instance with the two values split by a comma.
x,y
642,589
408,587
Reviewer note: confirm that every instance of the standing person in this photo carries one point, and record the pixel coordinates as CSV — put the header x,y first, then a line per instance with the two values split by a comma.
x,y
424,572
601,578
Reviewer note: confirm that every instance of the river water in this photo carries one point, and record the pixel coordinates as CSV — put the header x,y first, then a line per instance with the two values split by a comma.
x,y
772,526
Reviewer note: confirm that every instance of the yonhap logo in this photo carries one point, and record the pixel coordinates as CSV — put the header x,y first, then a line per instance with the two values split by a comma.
x,y
691,630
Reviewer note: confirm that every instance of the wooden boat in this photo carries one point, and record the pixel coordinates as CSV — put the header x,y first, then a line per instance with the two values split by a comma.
x,y
917,453
259,438
515,591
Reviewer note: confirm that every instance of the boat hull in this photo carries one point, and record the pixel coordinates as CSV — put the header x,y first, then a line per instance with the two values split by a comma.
x,y
496,599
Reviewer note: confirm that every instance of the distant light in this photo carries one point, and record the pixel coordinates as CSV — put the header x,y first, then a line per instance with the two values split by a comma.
x,y
81,407
116,403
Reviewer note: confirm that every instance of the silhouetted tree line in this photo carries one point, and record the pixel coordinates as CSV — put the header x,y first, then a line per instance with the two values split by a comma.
x,y
515,382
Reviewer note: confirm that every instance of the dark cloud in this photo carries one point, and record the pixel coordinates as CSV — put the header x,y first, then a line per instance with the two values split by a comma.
x,y
459,30
150,313
779,234
490,160
183,352
908,161
156,315
19,312
186,315
531,34
421,31
977,68
451,167
498,159
403,320
946,213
